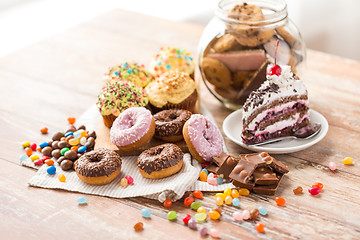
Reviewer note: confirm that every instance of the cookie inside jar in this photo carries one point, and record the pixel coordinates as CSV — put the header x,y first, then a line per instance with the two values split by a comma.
x,y
234,62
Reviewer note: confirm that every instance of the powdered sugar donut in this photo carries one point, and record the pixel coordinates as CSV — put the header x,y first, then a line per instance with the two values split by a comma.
x,y
132,129
203,138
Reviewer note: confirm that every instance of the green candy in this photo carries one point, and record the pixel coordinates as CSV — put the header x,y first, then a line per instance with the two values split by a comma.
x,y
64,150
195,205
200,217
171,215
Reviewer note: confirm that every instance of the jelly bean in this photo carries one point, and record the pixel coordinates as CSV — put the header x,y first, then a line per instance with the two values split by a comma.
x,y
49,162
219,180
332,166
260,227
314,190
318,185
129,179
83,141
244,191
23,157
246,214
203,176
212,181
254,214
262,210
298,190
192,224
195,205
211,175
84,134
51,170
77,134
348,161
197,194
203,231
124,182
43,144
145,212
28,151
205,170
34,157
214,233
236,202
44,158
25,144
33,146
200,217
167,203
68,134
39,149
171,215
188,201
237,216
38,162
63,151
44,130
61,177
186,218
82,200
235,193
139,226
74,148
74,141
228,200
201,210
63,139
227,192
82,149
214,214
280,201
219,201
71,120
218,210
221,195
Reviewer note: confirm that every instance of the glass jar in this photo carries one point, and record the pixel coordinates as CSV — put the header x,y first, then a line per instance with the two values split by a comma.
x,y
238,44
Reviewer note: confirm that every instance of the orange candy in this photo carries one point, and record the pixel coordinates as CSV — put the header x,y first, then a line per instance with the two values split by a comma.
x,y
61,177
203,176
298,190
74,148
44,130
49,162
197,194
280,201
318,185
63,139
71,120
39,149
139,226
167,203
28,151
260,227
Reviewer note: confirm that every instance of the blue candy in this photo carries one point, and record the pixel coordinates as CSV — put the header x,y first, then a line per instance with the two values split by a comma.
x,y
262,210
82,200
23,157
125,64
69,134
205,170
44,144
129,71
235,202
82,149
219,180
145,212
51,170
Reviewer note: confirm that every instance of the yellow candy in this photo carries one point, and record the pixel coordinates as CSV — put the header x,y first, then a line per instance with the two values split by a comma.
x,y
203,176
244,192
214,214
348,161
124,182
25,144
227,192
228,200
201,210
61,177
74,141
221,195
34,157
219,201
235,193
83,133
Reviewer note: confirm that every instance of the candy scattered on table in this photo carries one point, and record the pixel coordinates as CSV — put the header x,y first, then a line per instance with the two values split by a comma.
x,y
228,200
51,170
219,201
260,227
38,162
23,157
280,201
188,201
25,144
129,179
298,190
227,192
197,194
192,224
61,177
203,176
221,195
200,217
44,130
204,231
318,185
201,210
235,193
124,182
246,214
348,161
145,212
332,166
28,151
212,181
195,205
214,233
314,190
71,120
43,144
236,202
171,215
82,200
139,226
49,162
186,218
33,146
244,191
262,210
237,216
218,210
254,214
167,203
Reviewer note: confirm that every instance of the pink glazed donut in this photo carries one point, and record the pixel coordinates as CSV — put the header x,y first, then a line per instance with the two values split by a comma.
x,y
132,129
203,138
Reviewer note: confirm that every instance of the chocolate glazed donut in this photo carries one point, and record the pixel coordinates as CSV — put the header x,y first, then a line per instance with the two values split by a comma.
x,y
169,124
98,167
160,161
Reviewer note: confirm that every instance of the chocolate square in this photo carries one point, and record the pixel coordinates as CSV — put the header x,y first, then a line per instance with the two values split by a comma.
x,y
265,176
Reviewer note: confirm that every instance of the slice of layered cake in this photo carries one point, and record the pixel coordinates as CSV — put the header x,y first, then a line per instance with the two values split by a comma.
x,y
277,108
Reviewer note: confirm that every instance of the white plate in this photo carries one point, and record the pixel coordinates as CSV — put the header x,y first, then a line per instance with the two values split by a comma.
x,y
232,127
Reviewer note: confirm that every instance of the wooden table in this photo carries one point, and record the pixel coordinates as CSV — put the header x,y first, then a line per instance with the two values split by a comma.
x,y
45,83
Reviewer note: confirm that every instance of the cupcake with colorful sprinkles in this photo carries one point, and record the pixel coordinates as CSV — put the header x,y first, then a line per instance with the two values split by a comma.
x,y
171,58
129,71
116,96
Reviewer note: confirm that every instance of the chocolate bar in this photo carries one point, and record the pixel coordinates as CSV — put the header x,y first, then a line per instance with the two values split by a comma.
x,y
265,176
223,164
269,189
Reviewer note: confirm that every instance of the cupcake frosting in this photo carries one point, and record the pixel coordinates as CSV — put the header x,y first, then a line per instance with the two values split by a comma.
x,y
116,96
173,87
132,72
171,58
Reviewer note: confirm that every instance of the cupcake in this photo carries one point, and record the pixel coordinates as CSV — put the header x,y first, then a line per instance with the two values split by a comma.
x,y
116,96
132,72
171,58
173,89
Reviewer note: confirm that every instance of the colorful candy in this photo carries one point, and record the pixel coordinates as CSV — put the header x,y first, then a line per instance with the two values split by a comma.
x,y
124,182
61,177
215,215
314,190
235,193
236,202
33,146
237,216
171,215
74,141
260,227
68,134
129,179
197,194
28,151
139,226
228,200
82,200
63,151
43,144
246,214
221,195
219,201
214,233
51,170
203,231
77,134
318,185
200,217
186,218
25,144
49,162
188,201
167,203
195,205
82,149
212,181
205,170
244,191
332,166
192,224
280,201
38,162
262,210
201,210
83,141
227,192
254,214
44,130
348,161
219,180
203,176
71,120
298,190
34,157
23,157
145,212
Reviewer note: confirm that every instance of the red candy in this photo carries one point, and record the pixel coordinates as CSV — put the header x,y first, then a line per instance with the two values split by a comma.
x,y
314,190
167,203
33,146
280,201
186,218
260,227
188,201
38,162
197,194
